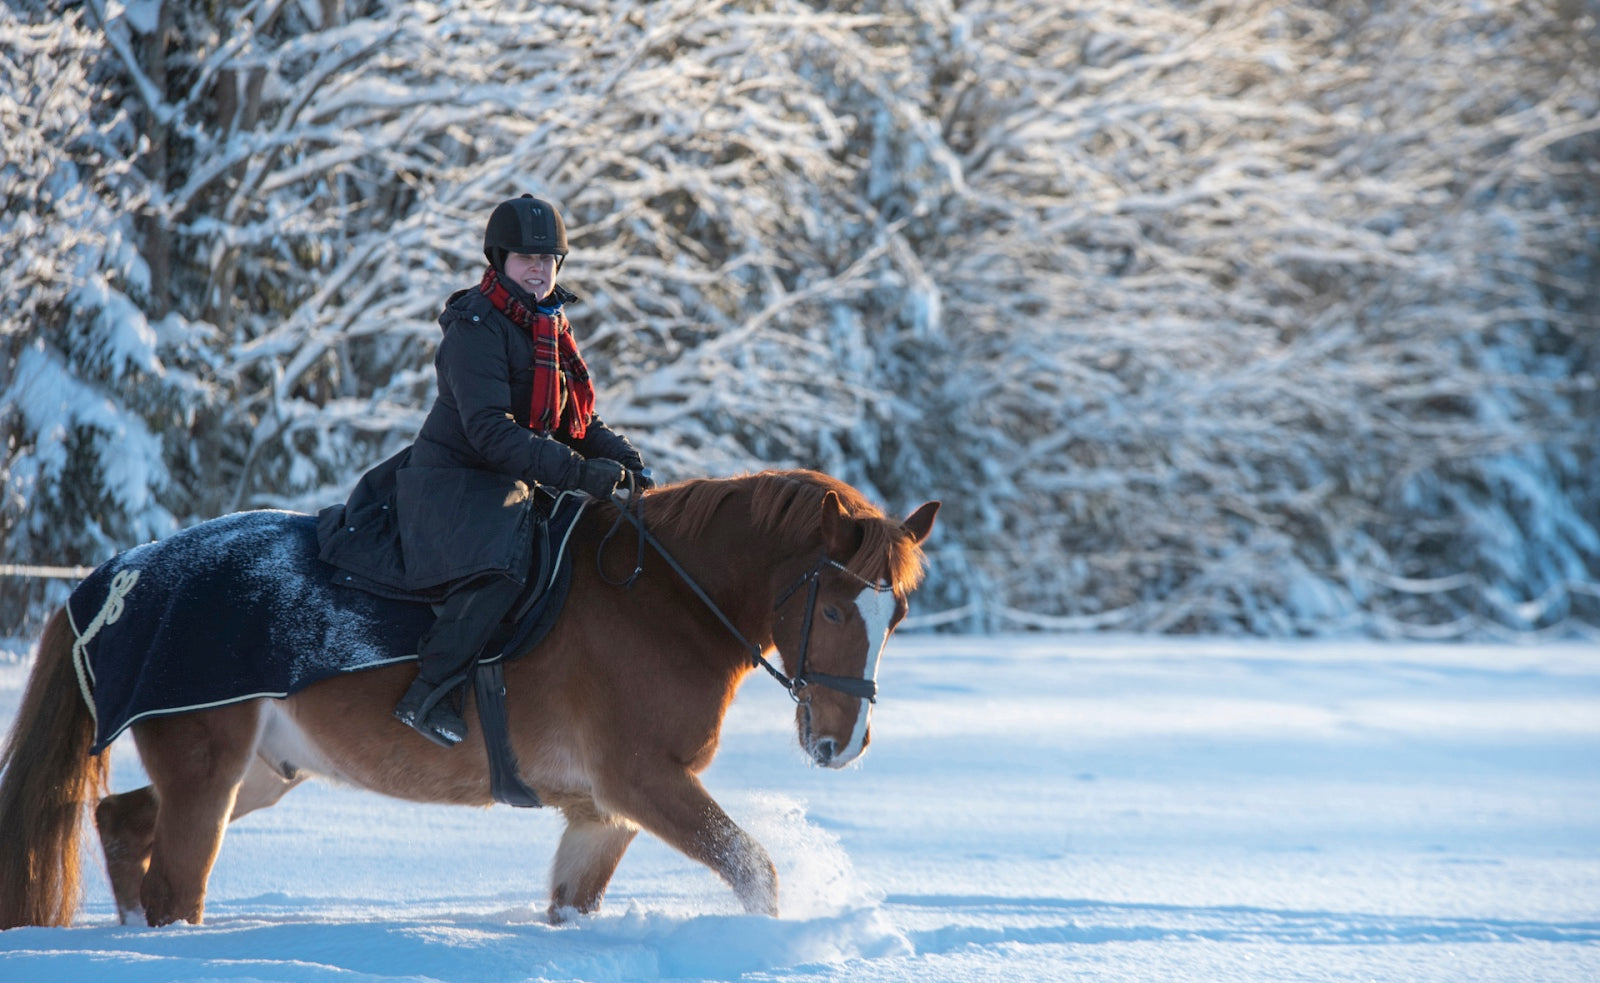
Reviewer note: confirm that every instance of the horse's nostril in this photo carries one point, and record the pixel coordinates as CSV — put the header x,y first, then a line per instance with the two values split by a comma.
x,y
824,750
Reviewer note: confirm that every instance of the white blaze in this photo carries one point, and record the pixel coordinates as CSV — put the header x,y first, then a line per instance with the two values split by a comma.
x,y
877,613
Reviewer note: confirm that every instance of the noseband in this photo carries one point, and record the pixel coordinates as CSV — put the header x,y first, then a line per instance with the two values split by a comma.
x,y
861,688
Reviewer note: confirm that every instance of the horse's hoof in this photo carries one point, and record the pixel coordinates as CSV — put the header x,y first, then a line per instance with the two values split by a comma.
x,y
562,914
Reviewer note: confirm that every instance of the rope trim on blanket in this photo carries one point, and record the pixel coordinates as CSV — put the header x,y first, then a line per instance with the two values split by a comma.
x,y
110,611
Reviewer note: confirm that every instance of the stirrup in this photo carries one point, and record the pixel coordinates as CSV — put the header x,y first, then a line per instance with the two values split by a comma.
x,y
423,710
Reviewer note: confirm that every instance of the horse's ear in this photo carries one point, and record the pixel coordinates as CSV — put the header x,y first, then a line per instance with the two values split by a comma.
x,y
840,537
920,522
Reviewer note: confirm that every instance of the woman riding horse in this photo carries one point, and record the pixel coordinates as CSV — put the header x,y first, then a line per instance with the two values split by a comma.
x,y
451,515
617,711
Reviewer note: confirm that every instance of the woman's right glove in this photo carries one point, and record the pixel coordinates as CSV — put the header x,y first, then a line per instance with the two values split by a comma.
x,y
630,459
599,477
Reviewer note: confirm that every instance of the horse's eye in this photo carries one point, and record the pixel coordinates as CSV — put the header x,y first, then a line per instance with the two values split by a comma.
x,y
832,614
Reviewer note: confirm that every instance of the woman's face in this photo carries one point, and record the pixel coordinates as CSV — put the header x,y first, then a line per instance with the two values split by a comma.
x,y
534,273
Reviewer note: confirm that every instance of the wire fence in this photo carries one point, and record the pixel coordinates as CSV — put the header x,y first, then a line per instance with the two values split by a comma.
x,y
939,619
44,573
986,617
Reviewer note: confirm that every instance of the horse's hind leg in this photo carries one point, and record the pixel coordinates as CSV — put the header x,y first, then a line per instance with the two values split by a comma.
x,y
590,850
262,786
196,763
127,826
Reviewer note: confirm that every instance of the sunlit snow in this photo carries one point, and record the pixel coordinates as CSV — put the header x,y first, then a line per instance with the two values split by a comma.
x,y
1031,808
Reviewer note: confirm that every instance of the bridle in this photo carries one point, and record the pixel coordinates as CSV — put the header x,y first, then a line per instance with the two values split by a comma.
x,y
859,687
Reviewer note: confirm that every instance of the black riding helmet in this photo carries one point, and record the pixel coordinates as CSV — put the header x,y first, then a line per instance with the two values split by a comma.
x,y
524,225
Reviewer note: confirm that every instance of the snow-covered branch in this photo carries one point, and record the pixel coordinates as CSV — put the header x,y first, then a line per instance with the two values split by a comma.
x,y
1202,316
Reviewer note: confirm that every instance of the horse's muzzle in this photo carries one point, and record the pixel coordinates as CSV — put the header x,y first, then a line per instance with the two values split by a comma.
x,y
823,751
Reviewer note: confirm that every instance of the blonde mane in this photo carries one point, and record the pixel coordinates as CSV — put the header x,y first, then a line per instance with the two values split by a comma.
x,y
787,505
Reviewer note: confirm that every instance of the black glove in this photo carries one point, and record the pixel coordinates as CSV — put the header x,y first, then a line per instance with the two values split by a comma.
x,y
600,476
642,479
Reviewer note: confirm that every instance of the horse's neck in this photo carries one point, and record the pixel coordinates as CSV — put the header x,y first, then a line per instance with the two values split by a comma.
x,y
735,566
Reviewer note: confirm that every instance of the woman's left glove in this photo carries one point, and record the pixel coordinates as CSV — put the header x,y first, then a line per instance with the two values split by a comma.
x,y
600,476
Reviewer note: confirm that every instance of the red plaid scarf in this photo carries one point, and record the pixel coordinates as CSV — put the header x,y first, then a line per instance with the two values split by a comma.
x,y
557,366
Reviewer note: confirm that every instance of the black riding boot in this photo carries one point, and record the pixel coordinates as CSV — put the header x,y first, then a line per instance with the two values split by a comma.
x,y
445,656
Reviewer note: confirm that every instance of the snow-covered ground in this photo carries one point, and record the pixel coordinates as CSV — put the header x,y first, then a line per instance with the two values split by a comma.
x,y
1032,808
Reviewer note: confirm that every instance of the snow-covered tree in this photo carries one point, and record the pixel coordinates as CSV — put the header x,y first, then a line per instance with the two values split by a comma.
x,y
85,397
1199,315
1261,325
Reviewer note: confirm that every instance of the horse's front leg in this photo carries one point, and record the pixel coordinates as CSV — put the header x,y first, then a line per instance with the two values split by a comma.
x,y
672,804
590,850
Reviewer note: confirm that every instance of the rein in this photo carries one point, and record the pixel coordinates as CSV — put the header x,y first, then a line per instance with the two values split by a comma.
x,y
866,689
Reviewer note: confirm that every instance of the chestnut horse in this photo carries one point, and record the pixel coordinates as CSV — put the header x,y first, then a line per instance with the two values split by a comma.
x,y
612,716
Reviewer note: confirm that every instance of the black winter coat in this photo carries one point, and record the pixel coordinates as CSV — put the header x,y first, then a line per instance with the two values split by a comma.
x,y
459,501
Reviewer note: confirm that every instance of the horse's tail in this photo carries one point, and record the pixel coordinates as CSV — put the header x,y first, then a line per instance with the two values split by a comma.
x,y
49,778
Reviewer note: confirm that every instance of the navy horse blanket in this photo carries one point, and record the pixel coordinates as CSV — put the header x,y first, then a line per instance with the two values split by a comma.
x,y
240,608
